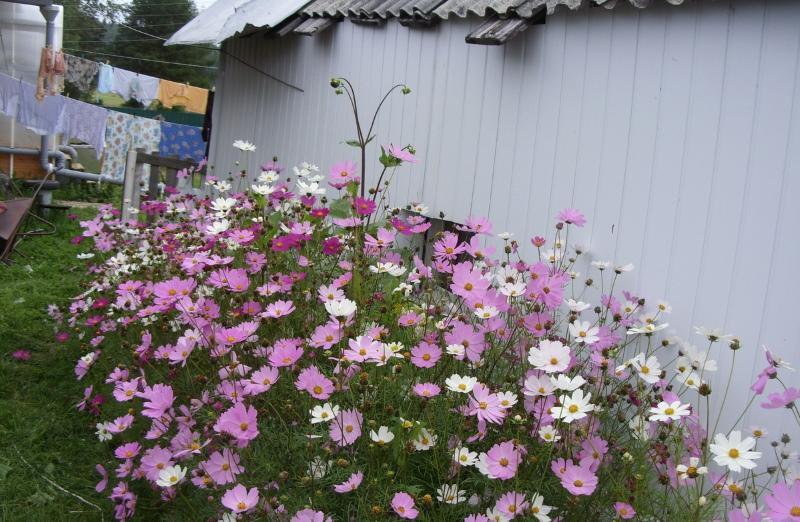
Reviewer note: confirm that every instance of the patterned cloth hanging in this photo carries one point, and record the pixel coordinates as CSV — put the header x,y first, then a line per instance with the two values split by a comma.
x,y
124,131
183,141
51,70
80,72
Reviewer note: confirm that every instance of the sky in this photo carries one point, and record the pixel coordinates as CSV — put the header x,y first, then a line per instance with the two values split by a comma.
x,y
203,4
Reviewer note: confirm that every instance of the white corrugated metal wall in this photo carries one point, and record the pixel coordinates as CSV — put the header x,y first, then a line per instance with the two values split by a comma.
x,y
675,128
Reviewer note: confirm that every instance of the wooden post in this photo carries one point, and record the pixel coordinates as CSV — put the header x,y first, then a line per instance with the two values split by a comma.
x,y
130,190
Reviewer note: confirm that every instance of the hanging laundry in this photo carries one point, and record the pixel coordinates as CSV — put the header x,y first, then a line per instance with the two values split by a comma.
x,y
183,141
118,141
9,95
105,78
146,135
51,71
173,93
140,87
42,117
85,122
80,72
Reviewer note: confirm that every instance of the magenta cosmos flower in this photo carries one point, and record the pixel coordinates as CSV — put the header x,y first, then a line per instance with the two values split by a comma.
x,y
343,173
285,354
128,451
485,405
572,216
222,467
21,355
278,309
363,206
403,505
315,383
425,355
345,429
239,499
502,460
351,484
512,504
240,422
158,400
578,480
624,511
784,502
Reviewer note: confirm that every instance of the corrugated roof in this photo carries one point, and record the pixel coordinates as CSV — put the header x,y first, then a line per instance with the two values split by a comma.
x,y
371,8
482,8
225,18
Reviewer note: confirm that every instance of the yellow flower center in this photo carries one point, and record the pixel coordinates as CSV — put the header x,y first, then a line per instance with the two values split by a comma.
x,y
573,408
348,428
733,453
645,370
553,361
669,411
317,389
504,462
483,405
512,508
426,357
241,505
578,483
795,511
468,286
243,426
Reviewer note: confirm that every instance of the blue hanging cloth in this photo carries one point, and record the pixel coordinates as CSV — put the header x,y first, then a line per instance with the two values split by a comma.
x,y
183,141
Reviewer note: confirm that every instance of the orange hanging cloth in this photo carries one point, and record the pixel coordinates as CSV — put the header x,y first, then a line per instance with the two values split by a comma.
x,y
194,99
52,68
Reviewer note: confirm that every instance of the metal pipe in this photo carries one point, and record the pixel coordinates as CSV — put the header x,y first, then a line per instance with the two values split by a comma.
x,y
60,165
69,150
50,12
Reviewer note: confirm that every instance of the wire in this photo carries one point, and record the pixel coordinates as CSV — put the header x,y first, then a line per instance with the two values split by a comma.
x,y
135,58
148,25
107,41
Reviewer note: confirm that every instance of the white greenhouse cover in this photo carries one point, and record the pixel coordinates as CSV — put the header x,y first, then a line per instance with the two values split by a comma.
x,y
225,18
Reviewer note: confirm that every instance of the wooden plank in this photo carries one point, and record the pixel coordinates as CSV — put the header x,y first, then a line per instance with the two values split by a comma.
x,y
314,26
156,160
497,31
130,185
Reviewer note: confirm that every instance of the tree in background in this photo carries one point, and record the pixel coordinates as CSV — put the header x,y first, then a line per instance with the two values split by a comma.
x,y
159,18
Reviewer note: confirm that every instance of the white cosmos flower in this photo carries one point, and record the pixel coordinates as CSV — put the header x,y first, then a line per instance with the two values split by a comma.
x,y
549,356
460,384
513,289
263,189
667,411
341,307
495,515
623,268
584,332
505,235
456,350
324,413
218,227
713,334
450,494
538,509
382,436
388,268
664,307
170,476
563,382
507,399
733,452
223,205
577,306
536,386
690,379
574,407
601,265
551,256
268,176
102,431
549,434
647,328
87,255
318,467
419,208
695,358
244,146
486,312
639,427
649,370
465,457
692,470
425,440
312,188
89,358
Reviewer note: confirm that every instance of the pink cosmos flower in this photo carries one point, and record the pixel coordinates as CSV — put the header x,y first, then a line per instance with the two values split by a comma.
x,y
448,247
261,380
345,428
502,460
343,173
781,400
468,282
761,381
403,505
784,502
512,504
127,451
401,154
479,225
579,480
351,484
408,319
285,354
158,400
309,515
363,348
572,216
121,424
240,421
624,511
222,467
154,460
21,355
384,239
325,336
425,355
427,390
239,499
315,383
101,486
485,405
477,518
278,309
464,334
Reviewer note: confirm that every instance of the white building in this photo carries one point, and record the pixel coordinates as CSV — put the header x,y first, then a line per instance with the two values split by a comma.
x,y
675,128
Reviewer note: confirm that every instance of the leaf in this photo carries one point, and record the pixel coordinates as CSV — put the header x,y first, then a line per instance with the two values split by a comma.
x,y
353,143
4,469
340,208
40,498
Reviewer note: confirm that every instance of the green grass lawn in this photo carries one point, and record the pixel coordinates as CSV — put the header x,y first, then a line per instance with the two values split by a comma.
x,y
43,441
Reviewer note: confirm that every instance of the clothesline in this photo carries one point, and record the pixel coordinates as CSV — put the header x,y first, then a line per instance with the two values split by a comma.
x,y
135,58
